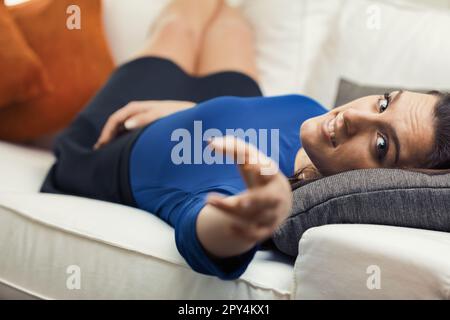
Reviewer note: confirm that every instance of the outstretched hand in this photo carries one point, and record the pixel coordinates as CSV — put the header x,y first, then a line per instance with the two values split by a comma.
x,y
258,211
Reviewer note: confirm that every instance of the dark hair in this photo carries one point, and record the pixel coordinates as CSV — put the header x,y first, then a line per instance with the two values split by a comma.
x,y
300,179
440,156
438,161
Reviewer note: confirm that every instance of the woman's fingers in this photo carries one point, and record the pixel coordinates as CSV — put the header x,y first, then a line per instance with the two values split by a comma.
x,y
109,131
138,114
117,121
141,119
255,167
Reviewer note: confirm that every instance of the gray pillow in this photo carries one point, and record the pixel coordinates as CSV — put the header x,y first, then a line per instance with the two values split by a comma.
x,y
349,91
371,196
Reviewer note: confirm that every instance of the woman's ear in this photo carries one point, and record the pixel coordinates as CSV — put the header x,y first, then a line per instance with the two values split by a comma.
x,y
306,166
302,160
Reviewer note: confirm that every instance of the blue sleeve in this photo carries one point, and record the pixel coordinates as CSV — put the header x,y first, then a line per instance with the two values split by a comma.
x,y
196,256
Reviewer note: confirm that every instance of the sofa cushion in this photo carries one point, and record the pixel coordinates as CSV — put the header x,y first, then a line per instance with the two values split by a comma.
x,y
117,252
392,43
22,169
23,75
78,63
370,262
370,196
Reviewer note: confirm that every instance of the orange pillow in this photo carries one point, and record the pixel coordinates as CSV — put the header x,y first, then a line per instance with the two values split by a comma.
x,y
22,73
78,63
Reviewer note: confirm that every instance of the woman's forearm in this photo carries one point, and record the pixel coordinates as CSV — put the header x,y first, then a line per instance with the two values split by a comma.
x,y
216,236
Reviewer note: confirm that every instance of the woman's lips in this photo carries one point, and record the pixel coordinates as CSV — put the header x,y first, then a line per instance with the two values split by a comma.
x,y
328,130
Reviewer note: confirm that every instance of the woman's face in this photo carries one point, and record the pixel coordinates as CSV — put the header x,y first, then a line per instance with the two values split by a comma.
x,y
388,131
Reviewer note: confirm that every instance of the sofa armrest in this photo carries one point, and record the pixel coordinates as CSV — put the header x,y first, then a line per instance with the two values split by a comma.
x,y
372,262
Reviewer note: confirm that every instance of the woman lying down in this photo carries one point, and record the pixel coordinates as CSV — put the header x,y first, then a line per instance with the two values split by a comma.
x,y
183,132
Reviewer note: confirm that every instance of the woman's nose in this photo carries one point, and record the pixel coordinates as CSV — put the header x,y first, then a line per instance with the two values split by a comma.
x,y
355,120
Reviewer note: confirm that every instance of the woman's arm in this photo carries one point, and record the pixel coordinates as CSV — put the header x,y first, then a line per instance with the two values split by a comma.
x,y
233,225
138,114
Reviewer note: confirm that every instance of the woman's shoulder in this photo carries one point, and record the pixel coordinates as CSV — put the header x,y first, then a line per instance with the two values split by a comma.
x,y
296,103
293,102
297,99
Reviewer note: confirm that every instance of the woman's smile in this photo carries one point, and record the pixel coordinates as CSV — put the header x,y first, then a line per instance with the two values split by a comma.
x,y
328,129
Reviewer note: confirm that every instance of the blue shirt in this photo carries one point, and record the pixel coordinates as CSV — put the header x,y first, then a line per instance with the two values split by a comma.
x,y
172,171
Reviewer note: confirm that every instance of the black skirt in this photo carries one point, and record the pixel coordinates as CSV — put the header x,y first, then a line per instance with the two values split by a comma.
x,y
103,174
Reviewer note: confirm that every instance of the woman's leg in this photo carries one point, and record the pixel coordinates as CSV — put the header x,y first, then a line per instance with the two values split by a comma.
x,y
178,31
175,38
80,170
228,45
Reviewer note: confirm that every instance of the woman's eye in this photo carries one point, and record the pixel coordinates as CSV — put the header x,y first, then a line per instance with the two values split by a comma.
x,y
381,147
383,104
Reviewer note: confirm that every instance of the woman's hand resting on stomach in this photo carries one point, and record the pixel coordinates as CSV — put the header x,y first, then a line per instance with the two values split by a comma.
x,y
229,226
138,114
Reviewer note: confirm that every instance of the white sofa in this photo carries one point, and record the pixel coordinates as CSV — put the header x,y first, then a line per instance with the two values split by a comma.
x,y
124,253
54,247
